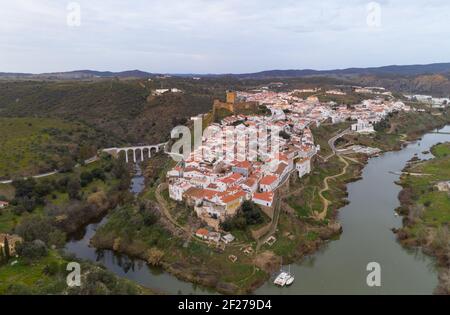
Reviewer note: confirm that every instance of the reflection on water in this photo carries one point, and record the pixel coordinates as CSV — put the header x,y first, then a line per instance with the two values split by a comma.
x,y
367,222
123,266
339,267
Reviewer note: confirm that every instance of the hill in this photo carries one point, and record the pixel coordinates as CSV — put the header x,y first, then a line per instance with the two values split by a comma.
x,y
124,111
393,70
30,146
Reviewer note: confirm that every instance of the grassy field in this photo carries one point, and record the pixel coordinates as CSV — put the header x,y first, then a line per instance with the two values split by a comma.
x,y
441,151
426,210
36,145
32,276
435,204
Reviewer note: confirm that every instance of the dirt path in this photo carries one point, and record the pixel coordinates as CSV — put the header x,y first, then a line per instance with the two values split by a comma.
x,y
273,226
165,209
322,215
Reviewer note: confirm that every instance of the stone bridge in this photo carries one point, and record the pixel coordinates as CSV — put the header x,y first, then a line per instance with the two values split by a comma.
x,y
141,151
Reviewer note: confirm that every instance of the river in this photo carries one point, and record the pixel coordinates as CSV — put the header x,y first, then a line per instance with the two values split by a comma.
x,y
123,266
339,267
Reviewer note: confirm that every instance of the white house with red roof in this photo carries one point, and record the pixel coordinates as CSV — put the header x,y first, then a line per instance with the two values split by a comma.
x,y
268,183
263,199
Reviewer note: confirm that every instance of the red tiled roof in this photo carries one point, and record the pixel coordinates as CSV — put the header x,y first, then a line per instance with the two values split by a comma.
x,y
243,164
268,180
203,232
231,179
232,197
265,196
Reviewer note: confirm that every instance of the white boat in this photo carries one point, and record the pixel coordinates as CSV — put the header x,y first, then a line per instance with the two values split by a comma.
x,y
281,279
290,280
284,278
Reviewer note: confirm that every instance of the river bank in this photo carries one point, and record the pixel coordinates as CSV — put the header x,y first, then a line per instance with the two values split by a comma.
x,y
205,266
426,210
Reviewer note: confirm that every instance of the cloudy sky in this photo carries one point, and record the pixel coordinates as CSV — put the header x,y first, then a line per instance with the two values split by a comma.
x,y
220,36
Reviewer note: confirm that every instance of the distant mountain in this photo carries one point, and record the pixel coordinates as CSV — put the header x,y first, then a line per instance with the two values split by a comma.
x,y
78,74
393,70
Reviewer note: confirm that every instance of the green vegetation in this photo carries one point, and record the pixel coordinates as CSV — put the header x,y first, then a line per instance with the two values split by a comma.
x,y
121,111
44,211
249,215
401,126
137,231
66,201
47,274
33,145
433,206
426,209
441,150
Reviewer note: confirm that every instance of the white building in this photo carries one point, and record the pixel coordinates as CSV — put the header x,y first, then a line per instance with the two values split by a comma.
x,y
268,183
263,199
303,167
363,126
177,189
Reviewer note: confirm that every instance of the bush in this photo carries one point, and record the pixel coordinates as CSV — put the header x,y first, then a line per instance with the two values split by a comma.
x,y
32,250
250,214
37,228
73,188
18,289
85,178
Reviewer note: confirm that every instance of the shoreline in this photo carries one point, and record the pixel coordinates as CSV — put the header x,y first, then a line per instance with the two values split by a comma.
x,y
208,279
409,241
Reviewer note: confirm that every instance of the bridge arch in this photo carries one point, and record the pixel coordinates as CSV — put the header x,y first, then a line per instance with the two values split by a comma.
x,y
138,152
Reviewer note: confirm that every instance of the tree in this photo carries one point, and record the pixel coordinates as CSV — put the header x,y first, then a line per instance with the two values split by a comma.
x,y
66,164
57,238
34,228
73,188
2,256
86,178
32,250
6,249
98,173
24,187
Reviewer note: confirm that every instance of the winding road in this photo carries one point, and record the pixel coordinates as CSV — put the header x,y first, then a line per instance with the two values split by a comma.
x,y
323,214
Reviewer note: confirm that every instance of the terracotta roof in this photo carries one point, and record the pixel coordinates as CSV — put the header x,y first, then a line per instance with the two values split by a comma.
x,y
232,197
231,179
280,169
268,180
194,193
243,164
203,232
265,196
250,182
198,193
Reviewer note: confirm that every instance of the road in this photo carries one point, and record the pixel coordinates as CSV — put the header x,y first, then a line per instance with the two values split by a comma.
x,y
322,215
88,161
333,140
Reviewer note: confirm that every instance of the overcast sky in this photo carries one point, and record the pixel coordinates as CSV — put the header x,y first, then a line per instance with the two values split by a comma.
x,y
220,36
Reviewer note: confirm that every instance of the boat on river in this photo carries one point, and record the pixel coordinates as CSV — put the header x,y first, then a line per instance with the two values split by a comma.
x,y
284,278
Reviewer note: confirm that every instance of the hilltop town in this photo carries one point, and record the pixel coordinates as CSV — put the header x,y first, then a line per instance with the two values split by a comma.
x,y
247,157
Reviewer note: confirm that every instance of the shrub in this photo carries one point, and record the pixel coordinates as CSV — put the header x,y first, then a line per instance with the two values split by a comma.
x,y
32,250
